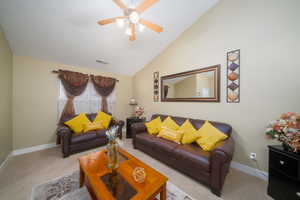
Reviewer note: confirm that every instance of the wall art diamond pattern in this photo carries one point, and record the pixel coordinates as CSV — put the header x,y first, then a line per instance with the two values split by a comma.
x,y
233,76
156,86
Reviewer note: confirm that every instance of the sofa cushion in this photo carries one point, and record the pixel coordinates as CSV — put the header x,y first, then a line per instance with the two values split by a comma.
x,y
209,136
154,126
171,134
78,138
189,132
76,123
170,124
92,126
157,144
193,157
104,118
197,123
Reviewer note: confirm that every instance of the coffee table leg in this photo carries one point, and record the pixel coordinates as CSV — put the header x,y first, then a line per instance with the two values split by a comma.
x,y
81,181
163,193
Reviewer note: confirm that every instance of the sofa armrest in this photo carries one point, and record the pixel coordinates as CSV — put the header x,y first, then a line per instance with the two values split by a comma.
x,y
65,135
220,159
63,130
137,128
225,148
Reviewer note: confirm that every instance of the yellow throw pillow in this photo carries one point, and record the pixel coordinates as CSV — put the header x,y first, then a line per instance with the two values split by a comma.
x,y
209,136
170,134
76,124
92,126
104,118
190,134
169,123
153,127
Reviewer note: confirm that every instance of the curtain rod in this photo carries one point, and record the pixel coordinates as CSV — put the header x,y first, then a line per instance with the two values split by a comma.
x,y
56,72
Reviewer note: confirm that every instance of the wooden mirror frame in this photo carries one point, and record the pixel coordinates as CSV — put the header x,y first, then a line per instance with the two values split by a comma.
x,y
216,98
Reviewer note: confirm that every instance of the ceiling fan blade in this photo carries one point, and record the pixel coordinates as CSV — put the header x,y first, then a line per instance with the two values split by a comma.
x,y
120,4
145,5
108,21
133,35
152,26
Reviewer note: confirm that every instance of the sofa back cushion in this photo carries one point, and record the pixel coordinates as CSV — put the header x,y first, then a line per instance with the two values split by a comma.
x,y
197,123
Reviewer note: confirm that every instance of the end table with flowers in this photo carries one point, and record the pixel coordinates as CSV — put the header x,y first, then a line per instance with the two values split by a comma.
x,y
286,130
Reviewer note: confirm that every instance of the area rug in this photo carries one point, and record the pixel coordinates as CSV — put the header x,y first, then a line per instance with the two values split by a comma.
x,y
67,188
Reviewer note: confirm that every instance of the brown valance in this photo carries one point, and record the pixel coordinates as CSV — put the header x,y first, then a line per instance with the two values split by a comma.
x,y
57,71
104,87
74,84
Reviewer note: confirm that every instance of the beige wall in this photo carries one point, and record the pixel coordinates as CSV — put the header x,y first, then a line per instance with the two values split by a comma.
x,y
6,98
267,32
35,95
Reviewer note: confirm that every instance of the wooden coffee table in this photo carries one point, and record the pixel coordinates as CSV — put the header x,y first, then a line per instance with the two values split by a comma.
x,y
94,173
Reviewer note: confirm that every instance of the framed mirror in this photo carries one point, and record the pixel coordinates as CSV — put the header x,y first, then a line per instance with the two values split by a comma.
x,y
201,85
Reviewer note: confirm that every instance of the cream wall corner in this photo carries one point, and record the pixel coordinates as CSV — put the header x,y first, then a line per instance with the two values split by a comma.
x,y
6,98
35,96
267,32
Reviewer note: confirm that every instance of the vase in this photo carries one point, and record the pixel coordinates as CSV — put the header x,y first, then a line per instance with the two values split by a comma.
x,y
113,155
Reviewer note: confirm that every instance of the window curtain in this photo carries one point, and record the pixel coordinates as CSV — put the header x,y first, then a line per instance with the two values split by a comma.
x,y
74,84
104,87
87,102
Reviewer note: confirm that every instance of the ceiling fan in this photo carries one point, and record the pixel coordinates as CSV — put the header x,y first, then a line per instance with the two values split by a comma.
x,y
132,18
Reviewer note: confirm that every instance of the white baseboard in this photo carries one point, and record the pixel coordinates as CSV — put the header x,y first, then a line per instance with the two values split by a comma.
x,y
250,171
32,149
4,163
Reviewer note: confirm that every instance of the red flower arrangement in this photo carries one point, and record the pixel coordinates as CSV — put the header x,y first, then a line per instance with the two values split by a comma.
x,y
286,130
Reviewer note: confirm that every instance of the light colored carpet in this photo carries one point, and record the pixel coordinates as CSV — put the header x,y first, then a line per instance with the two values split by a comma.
x,y
23,172
67,188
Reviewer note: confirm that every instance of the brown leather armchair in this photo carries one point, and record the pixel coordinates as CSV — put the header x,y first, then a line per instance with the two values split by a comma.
x,y
73,143
210,168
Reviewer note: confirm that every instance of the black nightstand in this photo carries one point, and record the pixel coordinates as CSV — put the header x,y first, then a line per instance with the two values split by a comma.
x,y
284,174
129,122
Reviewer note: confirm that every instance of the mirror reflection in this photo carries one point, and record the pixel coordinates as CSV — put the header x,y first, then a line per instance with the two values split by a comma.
x,y
192,86
197,85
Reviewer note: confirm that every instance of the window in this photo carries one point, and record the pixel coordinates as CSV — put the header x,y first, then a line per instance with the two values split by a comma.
x,y
88,102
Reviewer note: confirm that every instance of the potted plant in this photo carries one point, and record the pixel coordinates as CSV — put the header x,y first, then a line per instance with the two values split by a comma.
x,y
286,130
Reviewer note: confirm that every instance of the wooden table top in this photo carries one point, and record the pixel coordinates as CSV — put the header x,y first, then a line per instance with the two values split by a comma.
x,y
94,165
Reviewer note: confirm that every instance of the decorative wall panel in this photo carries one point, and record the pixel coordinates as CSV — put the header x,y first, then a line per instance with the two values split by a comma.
x,y
233,76
156,86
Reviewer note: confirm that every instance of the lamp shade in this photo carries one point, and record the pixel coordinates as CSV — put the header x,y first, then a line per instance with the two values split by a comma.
x,y
132,102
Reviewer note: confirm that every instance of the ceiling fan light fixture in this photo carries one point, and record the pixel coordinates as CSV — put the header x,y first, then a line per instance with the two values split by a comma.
x,y
134,17
141,27
131,18
128,31
120,22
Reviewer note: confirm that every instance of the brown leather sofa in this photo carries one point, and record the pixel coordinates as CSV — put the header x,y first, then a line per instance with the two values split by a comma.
x,y
207,167
73,143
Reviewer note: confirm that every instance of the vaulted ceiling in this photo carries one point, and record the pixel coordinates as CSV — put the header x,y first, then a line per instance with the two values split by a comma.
x,y
66,31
